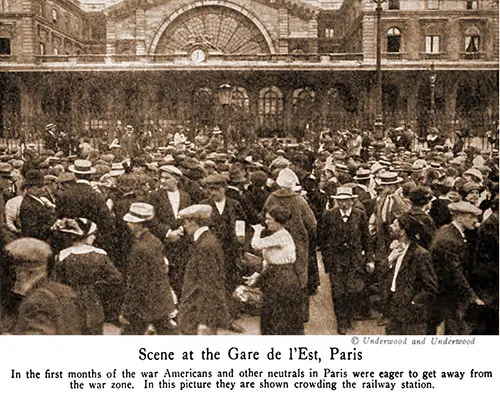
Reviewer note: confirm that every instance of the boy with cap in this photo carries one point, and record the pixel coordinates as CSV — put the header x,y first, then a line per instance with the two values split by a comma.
x,y
204,306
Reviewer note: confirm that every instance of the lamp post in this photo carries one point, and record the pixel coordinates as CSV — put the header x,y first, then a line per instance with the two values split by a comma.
x,y
432,80
225,95
379,124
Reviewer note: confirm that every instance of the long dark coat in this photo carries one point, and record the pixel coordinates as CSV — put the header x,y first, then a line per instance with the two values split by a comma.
x,y
223,226
452,255
164,221
427,227
82,270
36,219
81,201
148,295
204,299
416,282
49,308
346,248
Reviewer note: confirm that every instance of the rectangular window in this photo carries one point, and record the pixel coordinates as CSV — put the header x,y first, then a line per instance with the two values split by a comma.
x,y
4,46
433,4
56,51
329,32
471,4
393,43
432,44
42,48
393,5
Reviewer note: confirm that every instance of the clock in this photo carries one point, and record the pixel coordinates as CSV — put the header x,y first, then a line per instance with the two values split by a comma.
x,y
198,55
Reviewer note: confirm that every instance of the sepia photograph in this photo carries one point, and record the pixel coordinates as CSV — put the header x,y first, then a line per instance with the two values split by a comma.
x,y
249,167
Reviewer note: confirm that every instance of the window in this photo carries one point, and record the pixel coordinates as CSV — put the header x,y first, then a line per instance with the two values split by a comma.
x,y
393,40
393,5
329,32
270,107
472,40
432,44
433,4
471,4
55,15
4,46
4,6
56,51
42,49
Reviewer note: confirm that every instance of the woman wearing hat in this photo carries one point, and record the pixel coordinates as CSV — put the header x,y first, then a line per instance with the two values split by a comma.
x,y
83,267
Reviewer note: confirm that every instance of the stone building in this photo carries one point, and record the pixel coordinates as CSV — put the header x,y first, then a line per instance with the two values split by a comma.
x,y
291,65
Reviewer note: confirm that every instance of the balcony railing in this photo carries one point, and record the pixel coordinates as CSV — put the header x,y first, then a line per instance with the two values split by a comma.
x,y
472,55
394,56
433,55
180,58
7,58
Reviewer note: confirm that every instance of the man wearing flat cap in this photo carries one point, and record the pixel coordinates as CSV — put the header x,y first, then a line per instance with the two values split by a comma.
x,y
167,201
452,257
47,307
204,306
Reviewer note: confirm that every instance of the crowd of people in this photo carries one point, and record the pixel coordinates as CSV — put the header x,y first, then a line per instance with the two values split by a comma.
x,y
175,239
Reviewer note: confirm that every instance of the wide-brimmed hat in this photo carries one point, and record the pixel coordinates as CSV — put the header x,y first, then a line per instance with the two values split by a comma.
x,y
5,170
82,167
419,165
50,126
475,173
388,178
82,227
139,212
344,193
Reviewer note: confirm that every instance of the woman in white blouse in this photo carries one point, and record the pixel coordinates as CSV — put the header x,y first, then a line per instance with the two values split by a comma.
x,y
278,281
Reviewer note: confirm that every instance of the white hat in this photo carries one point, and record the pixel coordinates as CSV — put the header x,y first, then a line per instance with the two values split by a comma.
x,y
475,173
139,212
83,167
344,193
388,178
117,169
197,211
170,169
287,178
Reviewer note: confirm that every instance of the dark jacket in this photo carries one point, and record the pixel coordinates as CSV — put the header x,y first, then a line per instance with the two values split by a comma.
x,y
49,308
439,212
345,246
416,287
36,219
203,294
427,227
148,294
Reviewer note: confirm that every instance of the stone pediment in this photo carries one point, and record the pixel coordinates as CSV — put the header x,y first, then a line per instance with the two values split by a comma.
x,y
299,8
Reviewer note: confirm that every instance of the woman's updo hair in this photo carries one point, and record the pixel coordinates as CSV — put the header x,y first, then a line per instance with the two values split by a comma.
x,y
280,214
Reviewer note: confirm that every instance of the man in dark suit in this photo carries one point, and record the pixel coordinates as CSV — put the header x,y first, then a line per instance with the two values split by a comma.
x,y
414,282
420,198
167,201
346,247
36,213
452,255
204,307
79,200
148,294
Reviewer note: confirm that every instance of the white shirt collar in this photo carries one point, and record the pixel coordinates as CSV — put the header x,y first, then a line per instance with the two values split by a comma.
x,y
79,250
199,232
84,181
454,223
347,213
221,205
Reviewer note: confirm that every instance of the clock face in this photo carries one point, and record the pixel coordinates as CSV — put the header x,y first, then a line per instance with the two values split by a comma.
x,y
198,55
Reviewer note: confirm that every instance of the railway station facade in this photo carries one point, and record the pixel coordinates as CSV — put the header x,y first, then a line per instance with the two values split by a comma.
x,y
291,66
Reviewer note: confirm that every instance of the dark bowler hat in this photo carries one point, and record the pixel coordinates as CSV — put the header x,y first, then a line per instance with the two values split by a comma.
x,y
34,178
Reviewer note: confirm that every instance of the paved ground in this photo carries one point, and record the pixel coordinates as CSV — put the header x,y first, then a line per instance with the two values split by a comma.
x,y
322,320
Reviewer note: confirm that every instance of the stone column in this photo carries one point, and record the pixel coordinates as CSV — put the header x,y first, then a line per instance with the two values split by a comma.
x,y
313,36
110,36
454,40
283,30
140,31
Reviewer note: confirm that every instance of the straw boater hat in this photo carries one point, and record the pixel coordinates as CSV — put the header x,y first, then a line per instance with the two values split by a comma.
x,y
363,174
117,169
82,167
217,130
388,178
344,193
139,212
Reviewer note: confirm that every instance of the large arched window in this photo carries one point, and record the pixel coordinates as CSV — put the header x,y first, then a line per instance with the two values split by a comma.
x,y
270,107
239,100
393,40
472,39
302,110
203,106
